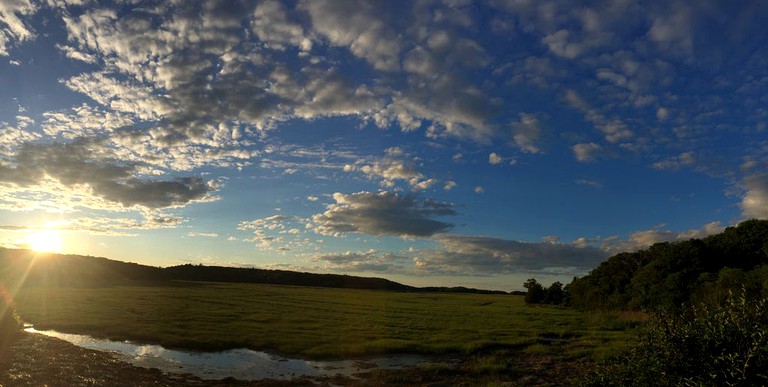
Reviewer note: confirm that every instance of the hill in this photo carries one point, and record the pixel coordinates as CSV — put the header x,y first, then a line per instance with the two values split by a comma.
x,y
32,268
670,275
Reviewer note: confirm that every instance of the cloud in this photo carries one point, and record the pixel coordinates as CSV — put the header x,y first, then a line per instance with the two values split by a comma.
x,y
495,159
382,213
644,238
12,27
613,129
587,152
682,160
368,32
477,255
479,189
754,203
367,261
395,166
273,222
590,183
527,132
107,226
203,234
275,27
84,121
75,167
449,185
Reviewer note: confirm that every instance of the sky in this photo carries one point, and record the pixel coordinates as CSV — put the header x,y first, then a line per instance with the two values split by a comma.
x,y
434,143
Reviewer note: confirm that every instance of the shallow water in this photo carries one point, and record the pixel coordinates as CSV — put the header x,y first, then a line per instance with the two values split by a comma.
x,y
243,364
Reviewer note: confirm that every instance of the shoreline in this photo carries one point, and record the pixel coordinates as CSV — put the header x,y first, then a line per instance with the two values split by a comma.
x,y
42,360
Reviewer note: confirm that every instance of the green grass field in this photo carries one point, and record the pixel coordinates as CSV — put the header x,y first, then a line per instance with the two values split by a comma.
x,y
322,322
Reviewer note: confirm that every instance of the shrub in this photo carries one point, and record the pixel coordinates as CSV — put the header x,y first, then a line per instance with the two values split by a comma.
x,y
701,346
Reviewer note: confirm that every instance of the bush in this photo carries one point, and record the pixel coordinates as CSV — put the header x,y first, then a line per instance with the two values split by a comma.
x,y
702,346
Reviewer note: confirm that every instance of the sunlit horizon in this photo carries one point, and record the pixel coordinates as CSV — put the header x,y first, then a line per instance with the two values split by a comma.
x,y
45,241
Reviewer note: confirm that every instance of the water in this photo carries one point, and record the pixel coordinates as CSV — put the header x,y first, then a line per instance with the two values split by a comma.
x,y
243,364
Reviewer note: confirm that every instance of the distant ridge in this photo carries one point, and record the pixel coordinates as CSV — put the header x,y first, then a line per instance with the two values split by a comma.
x,y
33,268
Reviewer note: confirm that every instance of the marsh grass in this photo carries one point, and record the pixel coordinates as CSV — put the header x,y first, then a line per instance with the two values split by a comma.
x,y
320,322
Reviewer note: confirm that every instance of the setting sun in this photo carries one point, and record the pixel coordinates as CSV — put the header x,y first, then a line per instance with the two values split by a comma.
x,y
45,241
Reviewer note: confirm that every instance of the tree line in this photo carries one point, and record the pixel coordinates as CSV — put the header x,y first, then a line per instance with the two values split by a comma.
x,y
670,275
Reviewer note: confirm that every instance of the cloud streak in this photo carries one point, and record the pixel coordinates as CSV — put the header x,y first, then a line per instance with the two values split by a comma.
x,y
478,255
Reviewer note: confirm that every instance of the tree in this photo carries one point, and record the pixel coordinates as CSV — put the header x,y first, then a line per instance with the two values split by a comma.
x,y
535,292
555,294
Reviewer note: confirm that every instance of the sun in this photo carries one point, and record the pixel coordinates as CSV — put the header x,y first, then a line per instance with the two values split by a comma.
x,y
48,241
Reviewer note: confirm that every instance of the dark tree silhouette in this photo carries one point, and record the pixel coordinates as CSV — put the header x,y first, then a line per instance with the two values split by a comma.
x,y
535,292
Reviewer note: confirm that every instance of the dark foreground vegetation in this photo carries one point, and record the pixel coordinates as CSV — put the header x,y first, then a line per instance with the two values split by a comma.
x,y
709,304
702,346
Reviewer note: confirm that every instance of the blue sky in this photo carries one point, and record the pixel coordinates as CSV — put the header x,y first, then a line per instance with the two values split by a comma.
x,y
431,142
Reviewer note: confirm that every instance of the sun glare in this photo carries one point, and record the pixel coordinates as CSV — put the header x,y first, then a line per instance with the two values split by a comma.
x,y
45,241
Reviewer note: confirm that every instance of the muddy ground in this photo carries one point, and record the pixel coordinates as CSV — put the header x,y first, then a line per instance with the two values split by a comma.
x,y
38,360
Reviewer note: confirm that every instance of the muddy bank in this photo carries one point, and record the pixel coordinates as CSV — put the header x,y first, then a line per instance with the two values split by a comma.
x,y
39,360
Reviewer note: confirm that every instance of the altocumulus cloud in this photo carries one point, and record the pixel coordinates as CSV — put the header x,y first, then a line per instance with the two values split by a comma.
x,y
382,213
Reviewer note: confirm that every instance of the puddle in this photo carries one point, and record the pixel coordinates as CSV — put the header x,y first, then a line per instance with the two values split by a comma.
x,y
243,364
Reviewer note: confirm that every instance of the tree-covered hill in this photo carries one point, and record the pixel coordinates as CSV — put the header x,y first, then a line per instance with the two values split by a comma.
x,y
31,268
670,275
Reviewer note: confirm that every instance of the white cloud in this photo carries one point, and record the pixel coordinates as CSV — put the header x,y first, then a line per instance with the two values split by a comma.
x,y
273,222
495,159
449,185
587,152
368,32
84,121
479,189
662,113
672,30
754,203
367,261
203,234
644,238
561,45
382,213
395,166
527,132
12,27
272,24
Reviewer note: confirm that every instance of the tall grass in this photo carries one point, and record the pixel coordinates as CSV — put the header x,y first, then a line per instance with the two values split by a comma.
x,y
317,322
721,346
